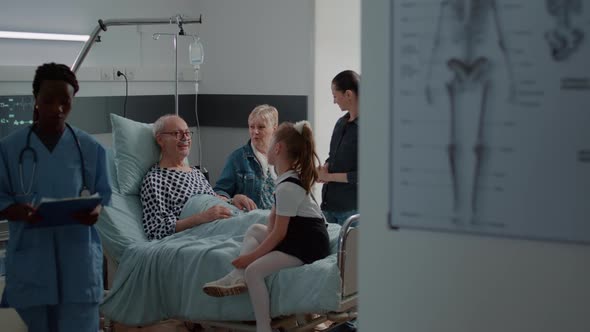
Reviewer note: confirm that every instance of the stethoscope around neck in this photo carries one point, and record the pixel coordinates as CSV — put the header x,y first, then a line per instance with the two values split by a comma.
x,y
28,148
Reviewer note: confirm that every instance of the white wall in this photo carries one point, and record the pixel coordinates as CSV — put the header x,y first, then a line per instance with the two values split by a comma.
x,y
337,41
119,46
251,47
435,282
257,46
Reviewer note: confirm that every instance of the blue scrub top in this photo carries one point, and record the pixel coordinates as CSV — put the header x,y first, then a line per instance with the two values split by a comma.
x,y
53,265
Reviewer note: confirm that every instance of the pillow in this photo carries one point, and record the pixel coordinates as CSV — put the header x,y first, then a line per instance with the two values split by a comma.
x,y
136,151
112,169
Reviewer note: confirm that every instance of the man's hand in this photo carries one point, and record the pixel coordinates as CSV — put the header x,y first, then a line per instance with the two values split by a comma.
x,y
89,217
243,261
324,175
21,212
217,212
242,202
223,198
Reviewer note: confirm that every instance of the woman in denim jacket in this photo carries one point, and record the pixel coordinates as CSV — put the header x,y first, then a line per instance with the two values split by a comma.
x,y
247,171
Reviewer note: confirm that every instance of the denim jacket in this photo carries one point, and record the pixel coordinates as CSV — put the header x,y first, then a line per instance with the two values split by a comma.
x,y
242,174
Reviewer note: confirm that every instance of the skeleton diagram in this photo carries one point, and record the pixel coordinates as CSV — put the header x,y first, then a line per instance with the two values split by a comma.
x,y
564,39
469,22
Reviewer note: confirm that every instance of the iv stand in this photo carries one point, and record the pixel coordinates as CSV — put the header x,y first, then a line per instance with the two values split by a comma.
x,y
156,36
104,24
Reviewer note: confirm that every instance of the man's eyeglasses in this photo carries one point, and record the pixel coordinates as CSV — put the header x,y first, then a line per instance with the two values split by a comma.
x,y
179,134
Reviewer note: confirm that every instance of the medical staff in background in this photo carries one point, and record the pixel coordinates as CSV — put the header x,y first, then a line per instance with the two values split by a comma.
x,y
340,172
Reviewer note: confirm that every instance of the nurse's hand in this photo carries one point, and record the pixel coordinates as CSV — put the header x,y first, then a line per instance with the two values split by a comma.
x,y
242,202
88,218
20,212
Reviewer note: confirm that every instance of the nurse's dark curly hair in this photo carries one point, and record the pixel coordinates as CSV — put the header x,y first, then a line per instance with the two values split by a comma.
x,y
54,72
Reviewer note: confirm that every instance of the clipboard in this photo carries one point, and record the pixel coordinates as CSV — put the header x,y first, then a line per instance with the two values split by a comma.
x,y
58,212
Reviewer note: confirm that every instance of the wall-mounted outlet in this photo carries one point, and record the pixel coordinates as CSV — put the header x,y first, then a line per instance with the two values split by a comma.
x,y
117,77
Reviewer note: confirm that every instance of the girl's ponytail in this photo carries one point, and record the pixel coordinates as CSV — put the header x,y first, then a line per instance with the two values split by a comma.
x,y
308,159
300,144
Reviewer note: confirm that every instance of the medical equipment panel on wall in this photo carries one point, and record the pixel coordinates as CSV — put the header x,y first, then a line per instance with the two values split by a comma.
x,y
491,117
15,112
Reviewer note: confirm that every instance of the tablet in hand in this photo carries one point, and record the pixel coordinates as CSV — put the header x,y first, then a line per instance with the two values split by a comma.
x,y
59,212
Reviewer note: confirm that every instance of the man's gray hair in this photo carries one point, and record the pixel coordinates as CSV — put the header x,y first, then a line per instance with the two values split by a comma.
x,y
159,125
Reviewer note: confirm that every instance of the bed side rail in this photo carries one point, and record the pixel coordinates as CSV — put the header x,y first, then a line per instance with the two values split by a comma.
x,y
347,257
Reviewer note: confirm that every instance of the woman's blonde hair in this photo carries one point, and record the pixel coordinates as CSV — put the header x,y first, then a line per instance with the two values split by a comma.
x,y
267,113
301,150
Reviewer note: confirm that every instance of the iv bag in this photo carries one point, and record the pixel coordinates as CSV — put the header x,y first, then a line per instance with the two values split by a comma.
x,y
196,52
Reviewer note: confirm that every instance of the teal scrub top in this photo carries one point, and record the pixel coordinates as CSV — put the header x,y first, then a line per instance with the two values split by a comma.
x,y
60,264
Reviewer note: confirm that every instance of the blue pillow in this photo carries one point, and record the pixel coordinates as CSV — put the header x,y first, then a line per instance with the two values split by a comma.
x,y
135,151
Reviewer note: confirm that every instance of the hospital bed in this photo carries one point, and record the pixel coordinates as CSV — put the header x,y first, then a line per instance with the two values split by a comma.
x,y
347,264
121,232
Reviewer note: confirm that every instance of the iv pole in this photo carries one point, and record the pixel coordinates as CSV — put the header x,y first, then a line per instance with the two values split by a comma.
x,y
156,36
104,24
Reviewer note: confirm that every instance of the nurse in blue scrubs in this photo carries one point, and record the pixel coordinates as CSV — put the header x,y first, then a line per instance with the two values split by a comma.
x,y
53,274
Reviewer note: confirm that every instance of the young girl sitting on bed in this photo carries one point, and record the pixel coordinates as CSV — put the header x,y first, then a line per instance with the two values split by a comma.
x,y
296,233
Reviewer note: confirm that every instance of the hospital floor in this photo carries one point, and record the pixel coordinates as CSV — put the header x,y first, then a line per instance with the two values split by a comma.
x,y
168,326
176,326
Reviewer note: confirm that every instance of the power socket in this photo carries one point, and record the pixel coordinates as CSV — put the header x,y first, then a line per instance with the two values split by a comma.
x,y
116,77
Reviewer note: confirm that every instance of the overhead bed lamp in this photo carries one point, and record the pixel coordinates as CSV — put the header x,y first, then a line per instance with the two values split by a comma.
x,y
42,36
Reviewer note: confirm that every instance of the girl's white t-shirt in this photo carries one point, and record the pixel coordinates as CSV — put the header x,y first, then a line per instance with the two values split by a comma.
x,y
292,200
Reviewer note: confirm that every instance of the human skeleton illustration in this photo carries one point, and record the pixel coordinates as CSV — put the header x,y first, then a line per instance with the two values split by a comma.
x,y
468,20
564,39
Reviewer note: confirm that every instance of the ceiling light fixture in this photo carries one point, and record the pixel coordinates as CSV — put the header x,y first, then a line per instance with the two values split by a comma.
x,y
43,36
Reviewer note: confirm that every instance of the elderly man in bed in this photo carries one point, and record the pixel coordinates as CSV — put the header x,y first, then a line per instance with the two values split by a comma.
x,y
170,183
